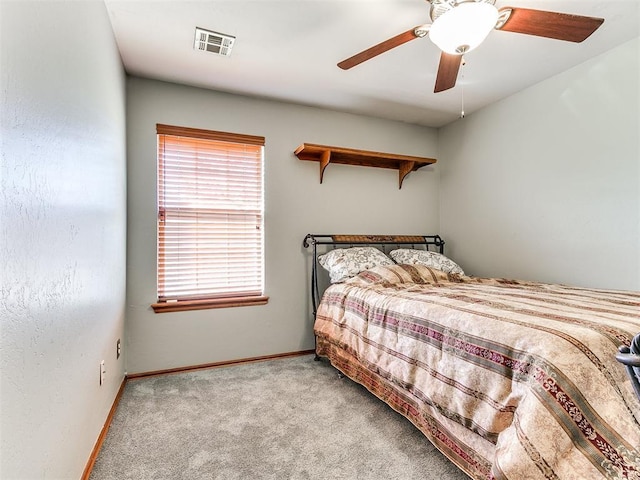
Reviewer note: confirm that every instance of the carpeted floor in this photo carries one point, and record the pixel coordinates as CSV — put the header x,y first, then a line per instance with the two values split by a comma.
x,y
289,418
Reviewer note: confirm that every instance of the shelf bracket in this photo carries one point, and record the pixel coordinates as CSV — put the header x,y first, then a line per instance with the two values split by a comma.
x,y
404,169
325,159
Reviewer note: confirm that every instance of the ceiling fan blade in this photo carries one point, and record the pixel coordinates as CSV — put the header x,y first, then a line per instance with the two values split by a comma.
x,y
561,26
376,50
447,72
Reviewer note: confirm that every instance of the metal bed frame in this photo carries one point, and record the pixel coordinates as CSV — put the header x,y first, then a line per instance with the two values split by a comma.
x,y
630,358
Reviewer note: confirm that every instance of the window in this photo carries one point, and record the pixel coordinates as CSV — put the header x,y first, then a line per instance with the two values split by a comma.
x,y
210,219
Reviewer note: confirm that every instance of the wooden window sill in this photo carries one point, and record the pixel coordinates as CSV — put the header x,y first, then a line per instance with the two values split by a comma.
x,y
184,305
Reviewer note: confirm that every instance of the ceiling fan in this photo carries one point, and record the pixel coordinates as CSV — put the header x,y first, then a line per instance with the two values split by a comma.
x,y
459,26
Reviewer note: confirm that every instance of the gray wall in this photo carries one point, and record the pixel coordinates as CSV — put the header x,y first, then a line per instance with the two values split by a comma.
x,y
351,199
545,185
62,249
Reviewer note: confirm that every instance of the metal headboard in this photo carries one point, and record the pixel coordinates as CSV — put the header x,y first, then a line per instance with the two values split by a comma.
x,y
315,239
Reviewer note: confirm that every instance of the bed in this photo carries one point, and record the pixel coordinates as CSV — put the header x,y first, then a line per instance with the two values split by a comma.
x,y
509,379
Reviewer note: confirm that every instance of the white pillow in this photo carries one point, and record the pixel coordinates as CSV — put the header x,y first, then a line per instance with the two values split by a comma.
x,y
424,257
344,263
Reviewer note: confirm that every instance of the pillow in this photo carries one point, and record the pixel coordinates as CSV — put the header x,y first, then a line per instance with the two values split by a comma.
x,y
343,263
387,275
426,258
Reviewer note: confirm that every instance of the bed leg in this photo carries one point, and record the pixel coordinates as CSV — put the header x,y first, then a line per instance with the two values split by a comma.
x,y
315,346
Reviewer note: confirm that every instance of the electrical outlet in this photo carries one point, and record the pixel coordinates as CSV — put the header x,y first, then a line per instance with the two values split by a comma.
x,y
118,349
103,372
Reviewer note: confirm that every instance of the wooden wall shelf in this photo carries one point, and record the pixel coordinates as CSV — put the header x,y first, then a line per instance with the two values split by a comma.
x,y
349,156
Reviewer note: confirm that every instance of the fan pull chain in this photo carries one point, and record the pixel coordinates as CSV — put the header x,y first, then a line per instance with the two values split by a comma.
x,y
462,88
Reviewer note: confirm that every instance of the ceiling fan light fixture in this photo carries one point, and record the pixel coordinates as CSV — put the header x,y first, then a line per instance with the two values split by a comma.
x,y
464,27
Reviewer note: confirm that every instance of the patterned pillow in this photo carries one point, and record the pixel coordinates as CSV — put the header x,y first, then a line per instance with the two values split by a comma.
x,y
427,258
343,263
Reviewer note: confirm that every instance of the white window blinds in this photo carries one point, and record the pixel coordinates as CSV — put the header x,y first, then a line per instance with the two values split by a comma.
x,y
210,214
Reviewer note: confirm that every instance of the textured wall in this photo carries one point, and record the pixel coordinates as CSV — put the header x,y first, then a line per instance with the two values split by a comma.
x,y
62,249
351,200
545,185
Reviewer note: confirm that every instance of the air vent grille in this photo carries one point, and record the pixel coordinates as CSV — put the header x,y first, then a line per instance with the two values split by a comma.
x,y
214,42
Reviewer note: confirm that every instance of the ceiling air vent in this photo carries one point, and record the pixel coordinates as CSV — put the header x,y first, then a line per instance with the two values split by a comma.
x,y
214,42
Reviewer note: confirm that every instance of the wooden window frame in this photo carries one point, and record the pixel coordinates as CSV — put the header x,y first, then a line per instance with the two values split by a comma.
x,y
175,302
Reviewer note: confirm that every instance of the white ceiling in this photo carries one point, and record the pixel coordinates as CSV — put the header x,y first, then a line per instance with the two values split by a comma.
x,y
288,50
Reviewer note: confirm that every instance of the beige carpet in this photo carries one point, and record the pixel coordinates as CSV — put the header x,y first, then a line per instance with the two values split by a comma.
x,y
289,418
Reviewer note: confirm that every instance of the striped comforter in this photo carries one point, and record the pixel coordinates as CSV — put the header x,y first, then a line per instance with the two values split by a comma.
x,y
509,379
